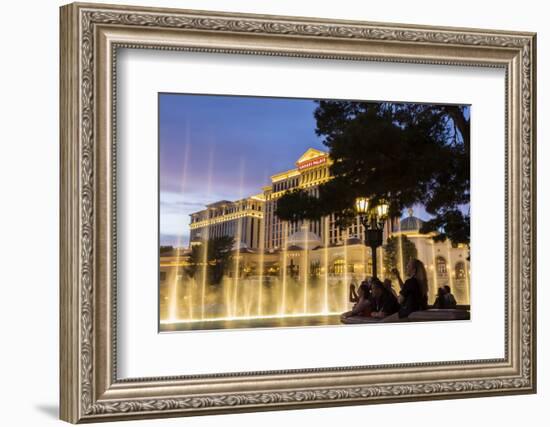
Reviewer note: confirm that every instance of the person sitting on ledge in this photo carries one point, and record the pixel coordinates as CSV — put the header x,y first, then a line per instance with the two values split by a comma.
x,y
389,287
353,294
450,298
440,301
362,297
445,299
413,295
383,302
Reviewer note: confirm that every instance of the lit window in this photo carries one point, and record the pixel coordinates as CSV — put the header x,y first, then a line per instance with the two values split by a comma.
x,y
460,270
441,265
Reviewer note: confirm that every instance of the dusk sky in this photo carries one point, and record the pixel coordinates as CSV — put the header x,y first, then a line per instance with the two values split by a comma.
x,y
225,148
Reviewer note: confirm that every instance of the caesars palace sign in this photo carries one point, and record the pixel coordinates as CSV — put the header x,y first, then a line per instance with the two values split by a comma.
x,y
312,162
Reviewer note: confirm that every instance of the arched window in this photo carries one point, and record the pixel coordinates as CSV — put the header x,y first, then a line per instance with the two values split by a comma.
x,y
460,283
460,270
441,266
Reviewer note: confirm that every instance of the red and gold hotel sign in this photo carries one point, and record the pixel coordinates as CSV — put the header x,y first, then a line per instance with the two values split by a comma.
x,y
312,162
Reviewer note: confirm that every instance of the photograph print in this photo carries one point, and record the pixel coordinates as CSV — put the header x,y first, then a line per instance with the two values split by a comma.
x,y
287,212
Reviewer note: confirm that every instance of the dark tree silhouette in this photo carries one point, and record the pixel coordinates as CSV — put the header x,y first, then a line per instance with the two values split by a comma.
x,y
406,154
166,249
392,256
218,257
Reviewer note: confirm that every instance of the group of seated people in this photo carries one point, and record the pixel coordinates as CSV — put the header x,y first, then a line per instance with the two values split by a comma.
x,y
377,299
444,298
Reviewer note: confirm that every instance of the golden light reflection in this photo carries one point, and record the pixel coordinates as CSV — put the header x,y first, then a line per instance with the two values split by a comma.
x,y
233,318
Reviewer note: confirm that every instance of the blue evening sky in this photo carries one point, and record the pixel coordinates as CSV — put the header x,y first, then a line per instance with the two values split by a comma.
x,y
225,147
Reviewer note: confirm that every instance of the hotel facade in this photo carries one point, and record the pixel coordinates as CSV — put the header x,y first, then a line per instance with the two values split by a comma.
x,y
321,247
252,220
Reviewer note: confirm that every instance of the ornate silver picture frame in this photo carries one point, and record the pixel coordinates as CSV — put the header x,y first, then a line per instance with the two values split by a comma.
x,y
91,390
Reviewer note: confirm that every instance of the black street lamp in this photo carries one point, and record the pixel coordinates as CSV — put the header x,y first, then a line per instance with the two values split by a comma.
x,y
373,219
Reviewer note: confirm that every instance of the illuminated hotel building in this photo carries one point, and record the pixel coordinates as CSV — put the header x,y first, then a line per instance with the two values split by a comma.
x,y
242,220
312,169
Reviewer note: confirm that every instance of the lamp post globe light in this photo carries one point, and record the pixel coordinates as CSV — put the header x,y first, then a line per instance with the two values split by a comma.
x,y
372,219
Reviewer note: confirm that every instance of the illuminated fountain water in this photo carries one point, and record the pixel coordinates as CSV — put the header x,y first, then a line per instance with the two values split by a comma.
x,y
344,290
306,267
364,257
204,274
325,267
236,277
282,303
205,239
400,250
433,289
294,281
174,297
261,272
449,266
381,268
227,286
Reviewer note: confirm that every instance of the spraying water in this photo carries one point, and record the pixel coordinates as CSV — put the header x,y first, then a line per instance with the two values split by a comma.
x,y
325,269
345,236
261,266
174,298
306,266
449,266
434,288
284,272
